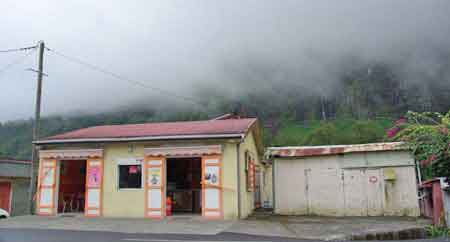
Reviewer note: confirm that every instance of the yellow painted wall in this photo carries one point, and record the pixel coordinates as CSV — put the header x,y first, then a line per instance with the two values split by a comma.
x,y
120,203
247,198
130,202
229,180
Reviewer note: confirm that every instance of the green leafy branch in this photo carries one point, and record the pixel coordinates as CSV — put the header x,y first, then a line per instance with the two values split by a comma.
x,y
428,136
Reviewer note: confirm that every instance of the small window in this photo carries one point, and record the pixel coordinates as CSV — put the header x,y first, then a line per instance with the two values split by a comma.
x,y
130,176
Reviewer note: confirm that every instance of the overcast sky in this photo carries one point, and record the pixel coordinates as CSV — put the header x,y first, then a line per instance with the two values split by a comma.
x,y
178,45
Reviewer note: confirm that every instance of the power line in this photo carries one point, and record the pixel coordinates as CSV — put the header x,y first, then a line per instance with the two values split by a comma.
x,y
17,61
122,78
18,49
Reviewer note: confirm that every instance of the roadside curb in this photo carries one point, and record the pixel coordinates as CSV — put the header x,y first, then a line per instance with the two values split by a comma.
x,y
404,234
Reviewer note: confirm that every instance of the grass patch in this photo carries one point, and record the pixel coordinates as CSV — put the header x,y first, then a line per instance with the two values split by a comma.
x,y
339,131
437,231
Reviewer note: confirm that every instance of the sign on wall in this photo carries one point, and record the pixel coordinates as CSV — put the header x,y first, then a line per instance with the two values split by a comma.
x,y
94,174
211,187
46,187
250,169
154,187
212,175
94,177
154,178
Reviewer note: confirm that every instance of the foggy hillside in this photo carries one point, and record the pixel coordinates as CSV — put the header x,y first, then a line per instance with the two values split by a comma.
x,y
307,69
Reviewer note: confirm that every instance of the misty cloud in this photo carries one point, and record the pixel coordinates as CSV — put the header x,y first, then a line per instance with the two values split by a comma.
x,y
236,47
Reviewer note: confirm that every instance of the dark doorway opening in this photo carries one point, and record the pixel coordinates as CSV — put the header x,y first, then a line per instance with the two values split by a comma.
x,y
183,184
72,186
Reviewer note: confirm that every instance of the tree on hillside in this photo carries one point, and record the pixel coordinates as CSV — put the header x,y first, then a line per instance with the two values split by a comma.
x,y
326,134
366,131
428,136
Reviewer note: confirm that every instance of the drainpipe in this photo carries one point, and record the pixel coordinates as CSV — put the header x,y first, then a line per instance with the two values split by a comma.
x,y
273,185
238,158
419,174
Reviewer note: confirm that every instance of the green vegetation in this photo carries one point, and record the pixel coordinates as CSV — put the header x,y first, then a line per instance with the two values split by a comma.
x,y
291,114
428,136
339,131
437,232
16,136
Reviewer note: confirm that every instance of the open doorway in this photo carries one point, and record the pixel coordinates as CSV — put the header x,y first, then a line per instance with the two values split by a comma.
x,y
72,186
183,185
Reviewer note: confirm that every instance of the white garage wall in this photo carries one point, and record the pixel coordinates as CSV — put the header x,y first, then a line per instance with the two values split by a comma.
x,y
401,195
290,188
309,186
346,185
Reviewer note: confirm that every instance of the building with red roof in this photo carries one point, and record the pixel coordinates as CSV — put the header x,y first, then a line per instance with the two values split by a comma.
x,y
207,129
215,168
207,167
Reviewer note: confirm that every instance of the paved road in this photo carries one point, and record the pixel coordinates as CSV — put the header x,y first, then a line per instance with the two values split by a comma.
x,y
39,235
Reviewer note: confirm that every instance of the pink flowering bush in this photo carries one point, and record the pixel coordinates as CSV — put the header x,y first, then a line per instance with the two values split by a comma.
x,y
428,136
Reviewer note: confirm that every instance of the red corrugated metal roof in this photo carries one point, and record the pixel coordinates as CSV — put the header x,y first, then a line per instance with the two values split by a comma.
x,y
303,151
166,129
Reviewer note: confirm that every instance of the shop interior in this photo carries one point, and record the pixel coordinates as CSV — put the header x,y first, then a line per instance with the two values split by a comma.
x,y
72,186
184,185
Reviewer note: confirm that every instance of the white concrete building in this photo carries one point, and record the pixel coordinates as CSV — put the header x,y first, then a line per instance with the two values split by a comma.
x,y
344,180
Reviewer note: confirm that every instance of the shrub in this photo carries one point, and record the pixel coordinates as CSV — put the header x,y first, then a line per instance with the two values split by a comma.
x,y
428,136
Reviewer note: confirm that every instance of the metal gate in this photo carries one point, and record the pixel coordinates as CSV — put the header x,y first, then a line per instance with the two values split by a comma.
x,y
363,192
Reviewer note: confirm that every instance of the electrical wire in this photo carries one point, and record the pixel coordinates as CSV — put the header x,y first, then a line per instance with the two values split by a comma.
x,y
122,78
17,61
19,49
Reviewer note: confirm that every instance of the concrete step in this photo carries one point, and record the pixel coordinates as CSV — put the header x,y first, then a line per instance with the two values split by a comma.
x,y
261,213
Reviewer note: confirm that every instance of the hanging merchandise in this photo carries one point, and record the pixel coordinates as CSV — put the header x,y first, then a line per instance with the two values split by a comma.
x,y
132,170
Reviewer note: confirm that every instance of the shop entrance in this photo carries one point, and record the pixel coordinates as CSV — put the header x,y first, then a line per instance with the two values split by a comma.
x,y
184,185
72,186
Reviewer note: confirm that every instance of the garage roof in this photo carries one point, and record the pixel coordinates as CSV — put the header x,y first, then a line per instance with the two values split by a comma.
x,y
303,151
13,160
222,128
14,168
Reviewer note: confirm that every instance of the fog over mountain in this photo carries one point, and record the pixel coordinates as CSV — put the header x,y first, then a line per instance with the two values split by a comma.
x,y
231,47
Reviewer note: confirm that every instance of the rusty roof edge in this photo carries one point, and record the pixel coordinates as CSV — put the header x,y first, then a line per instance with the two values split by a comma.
x,y
303,151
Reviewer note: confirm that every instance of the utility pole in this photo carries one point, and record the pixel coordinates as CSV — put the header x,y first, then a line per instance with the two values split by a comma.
x,y
37,117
